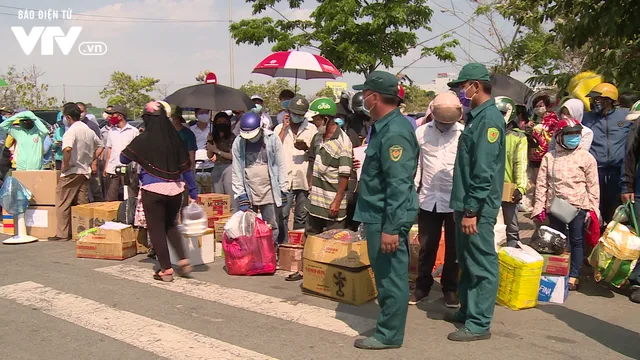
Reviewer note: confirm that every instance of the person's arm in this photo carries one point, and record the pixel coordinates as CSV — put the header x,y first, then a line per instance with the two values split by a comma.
x,y
7,125
66,158
592,184
398,156
418,179
68,142
311,157
237,178
192,158
282,166
631,158
40,127
520,165
345,163
281,131
487,163
192,188
542,185
587,140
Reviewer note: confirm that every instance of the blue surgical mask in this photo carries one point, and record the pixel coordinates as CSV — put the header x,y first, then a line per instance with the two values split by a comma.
x,y
4,118
462,95
296,119
340,122
571,141
285,104
257,108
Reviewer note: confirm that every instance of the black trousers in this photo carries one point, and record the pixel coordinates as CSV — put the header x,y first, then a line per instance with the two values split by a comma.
x,y
316,225
161,212
429,231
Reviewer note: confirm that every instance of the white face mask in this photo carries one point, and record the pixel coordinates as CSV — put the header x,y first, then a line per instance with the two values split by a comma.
x,y
256,138
203,118
540,110
105,116
65,122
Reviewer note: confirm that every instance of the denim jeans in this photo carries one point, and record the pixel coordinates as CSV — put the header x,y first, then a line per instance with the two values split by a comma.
x,y
510,216
268,213
576,239
299,213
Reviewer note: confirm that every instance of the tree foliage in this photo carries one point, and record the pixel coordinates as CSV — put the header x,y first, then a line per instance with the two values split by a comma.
x,y
325,92
25,89
605,33
123,89
9,93
269,92
356,35
416,98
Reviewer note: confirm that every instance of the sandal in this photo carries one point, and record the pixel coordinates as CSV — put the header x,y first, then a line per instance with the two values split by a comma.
x,y
294,277
184,270
163,277
574,286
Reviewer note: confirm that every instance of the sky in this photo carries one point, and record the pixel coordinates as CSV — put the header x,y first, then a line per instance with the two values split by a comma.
x,y
176,52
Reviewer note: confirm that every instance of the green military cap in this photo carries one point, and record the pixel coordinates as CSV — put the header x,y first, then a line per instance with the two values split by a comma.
x,y
471,72
298,105
381,82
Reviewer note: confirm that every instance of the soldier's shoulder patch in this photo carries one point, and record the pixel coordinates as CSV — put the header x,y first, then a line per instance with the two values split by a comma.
x,y
493,134
395,152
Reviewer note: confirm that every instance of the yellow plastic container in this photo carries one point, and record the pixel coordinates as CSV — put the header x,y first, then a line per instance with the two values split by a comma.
x,y
519,281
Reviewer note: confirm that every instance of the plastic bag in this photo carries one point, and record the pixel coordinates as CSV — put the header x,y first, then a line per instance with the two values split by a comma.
x,y
253,254
14,196
127,211
519,277
193,212
194,220
548,241
240,224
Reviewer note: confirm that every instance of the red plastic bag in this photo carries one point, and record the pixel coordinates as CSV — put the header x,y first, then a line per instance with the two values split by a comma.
x,y
251,255
592,230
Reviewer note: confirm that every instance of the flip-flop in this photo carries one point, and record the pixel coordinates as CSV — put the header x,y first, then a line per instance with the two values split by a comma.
x,y
294,277
165,278
184,270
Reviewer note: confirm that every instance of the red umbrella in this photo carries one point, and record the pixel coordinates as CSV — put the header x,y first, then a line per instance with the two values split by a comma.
x,y
297,64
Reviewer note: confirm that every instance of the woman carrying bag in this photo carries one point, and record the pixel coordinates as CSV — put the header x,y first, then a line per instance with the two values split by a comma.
x,y
567,189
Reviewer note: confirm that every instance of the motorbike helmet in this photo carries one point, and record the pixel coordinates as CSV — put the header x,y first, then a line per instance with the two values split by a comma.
x,y
507,107
568,126
604,90
250,125
323,107
357,103
634,112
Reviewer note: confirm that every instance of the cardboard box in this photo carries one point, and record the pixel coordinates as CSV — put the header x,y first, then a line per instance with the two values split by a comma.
x,y
336,252
41,183
215,204
41,221
507,192
199,249
350,285
556,264
87,216
105,211
7,223
290,257
296,237
553,289
140,234
109,244
218,222
414,254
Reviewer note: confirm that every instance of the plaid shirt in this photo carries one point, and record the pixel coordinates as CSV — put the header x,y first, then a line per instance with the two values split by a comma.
x,y
575,180
543,133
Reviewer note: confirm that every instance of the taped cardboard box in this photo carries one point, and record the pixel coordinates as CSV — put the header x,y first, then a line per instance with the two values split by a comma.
x,y
414,254
140,234
216,204
556,264
337,252
507,192
110,244
104,212
296,237
553,289
217,224
290,257
41,183
41,221
350,285
87,216
199,249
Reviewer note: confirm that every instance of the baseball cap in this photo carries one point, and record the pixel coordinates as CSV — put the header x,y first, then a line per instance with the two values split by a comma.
x,y
381,82
471,72
117,109
256,96
298,105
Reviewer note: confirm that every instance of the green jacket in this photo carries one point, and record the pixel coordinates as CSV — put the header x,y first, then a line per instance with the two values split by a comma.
x,y
386,192
516,159
478,174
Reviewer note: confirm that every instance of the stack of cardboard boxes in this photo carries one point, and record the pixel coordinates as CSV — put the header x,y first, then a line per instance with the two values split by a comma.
x,y
218,209
338,268
290,254
554,283
111,241
414,254
88,216
40,217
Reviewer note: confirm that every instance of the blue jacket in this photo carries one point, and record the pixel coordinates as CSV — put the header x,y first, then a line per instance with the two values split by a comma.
x,y
277,168
609,137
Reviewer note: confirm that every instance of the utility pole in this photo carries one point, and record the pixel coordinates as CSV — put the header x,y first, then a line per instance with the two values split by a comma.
x,y
231,75
64,94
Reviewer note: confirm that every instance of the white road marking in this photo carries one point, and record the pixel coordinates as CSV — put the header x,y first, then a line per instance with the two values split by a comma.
x,y
162,339
309,315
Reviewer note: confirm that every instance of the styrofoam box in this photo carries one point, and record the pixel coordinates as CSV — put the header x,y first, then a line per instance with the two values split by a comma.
x,y
199,252
553,289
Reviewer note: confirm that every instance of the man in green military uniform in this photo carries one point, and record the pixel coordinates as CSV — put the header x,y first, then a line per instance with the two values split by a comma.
x,y
388,205
478,178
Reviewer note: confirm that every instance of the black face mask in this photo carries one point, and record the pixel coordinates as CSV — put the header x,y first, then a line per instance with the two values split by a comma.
x,y
224,128
27,125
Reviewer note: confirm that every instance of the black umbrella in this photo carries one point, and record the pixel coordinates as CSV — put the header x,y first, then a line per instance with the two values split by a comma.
x,y
210,97
505,85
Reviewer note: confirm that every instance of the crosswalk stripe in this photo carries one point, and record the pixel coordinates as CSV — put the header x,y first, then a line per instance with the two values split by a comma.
x,y
309,315
159,338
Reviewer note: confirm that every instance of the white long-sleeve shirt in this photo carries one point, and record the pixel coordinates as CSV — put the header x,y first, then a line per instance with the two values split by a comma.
x,y
434,177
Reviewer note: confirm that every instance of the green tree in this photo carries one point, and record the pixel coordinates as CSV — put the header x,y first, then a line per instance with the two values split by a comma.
x,y
605,34
123,89
416,99
31,92
9,93
356,35
326,92
269,92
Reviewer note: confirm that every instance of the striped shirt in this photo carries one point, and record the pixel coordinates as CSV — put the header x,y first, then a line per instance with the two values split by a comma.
x,y
331,160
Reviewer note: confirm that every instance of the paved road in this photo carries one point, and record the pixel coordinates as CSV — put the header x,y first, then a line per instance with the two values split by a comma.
x,y
55,306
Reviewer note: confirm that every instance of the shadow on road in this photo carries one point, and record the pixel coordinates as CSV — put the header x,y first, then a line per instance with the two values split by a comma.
x,y
616,338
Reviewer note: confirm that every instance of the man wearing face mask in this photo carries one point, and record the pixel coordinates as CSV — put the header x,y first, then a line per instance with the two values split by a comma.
x,y
610,132
202,129
259,171
285,98
438,142
296,133
95,183
120,136
358,122
258,108
29,136
478,180
388,205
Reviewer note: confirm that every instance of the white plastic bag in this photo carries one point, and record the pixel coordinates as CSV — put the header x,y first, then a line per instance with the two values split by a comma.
x,y
194,220
240,224
524,253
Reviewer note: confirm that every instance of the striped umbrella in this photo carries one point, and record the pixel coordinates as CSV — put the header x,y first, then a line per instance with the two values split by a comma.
x,y
298,65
